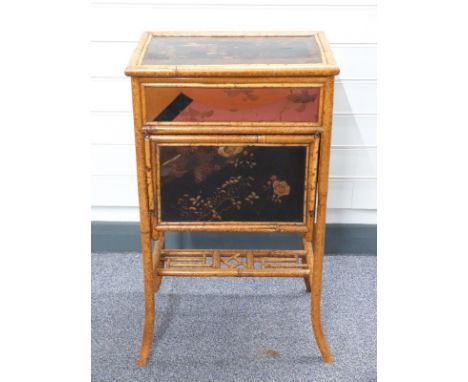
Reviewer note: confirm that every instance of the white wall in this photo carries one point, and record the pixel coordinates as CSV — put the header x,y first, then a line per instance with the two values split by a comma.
x,y
350,26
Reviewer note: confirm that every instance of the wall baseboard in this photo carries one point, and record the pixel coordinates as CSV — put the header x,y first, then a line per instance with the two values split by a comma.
x,y
352,239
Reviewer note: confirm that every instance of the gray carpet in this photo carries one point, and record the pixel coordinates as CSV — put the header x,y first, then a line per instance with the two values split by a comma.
x,y
233,329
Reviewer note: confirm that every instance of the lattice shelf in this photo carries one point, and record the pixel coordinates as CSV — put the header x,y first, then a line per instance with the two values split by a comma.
x,y
267,263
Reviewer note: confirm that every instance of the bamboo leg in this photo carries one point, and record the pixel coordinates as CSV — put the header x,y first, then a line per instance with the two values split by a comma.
x,y
315,280
148,331
320,226
145,228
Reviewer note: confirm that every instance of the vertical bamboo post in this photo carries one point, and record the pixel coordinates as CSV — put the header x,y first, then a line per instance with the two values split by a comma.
x,y
311,197
250,261
309,261
319,231
145,229
216,260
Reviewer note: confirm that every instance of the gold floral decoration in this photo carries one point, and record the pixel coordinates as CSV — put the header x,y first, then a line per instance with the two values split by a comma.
x,y
281,188
278,187
230,151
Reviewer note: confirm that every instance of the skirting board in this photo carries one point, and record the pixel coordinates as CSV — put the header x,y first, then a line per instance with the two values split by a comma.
x,y
353,239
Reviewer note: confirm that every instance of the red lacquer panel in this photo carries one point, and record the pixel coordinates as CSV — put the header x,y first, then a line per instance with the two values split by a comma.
x,y
204,104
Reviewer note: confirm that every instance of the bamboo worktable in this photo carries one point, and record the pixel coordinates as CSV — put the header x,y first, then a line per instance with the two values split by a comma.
x,y
232,134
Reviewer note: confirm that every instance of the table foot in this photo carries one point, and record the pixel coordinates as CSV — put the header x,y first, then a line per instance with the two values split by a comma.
x,y
315,282
318,332
148,329
147,340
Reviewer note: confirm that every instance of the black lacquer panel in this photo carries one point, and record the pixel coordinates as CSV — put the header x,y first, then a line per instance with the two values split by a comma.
x,y
232,183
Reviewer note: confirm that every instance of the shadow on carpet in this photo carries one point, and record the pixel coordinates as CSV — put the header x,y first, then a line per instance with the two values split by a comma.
x,y
233,329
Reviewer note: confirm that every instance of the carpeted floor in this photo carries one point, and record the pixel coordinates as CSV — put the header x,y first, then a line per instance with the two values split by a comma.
x,y
233,329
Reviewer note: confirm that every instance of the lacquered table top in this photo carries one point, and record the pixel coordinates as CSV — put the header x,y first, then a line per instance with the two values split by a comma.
x,y
222,50
162,54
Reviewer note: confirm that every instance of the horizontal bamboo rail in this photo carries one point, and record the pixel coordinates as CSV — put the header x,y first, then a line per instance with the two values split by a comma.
x,y
239,81
241,252
232,84
213,227
252,70
230,129
195,139
234,272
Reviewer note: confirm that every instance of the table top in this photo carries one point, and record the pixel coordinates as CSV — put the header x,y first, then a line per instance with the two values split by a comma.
x,y
186,53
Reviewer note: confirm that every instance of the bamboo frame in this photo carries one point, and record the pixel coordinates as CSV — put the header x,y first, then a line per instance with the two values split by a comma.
x,y
308,141
149,136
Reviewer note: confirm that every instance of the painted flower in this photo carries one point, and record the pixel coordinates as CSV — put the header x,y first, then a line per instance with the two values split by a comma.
x,y
194,115
301,96
230,151
245,93
281,188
